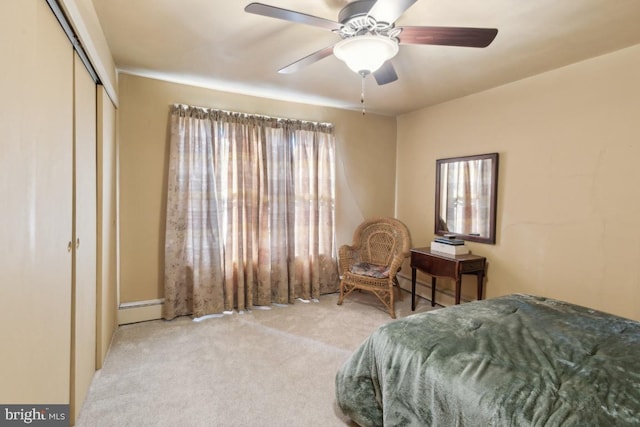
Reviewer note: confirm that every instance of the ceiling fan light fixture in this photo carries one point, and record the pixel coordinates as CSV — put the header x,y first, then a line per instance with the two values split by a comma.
x,y
365,54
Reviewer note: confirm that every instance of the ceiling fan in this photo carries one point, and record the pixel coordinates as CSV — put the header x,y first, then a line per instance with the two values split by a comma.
x,y
370,38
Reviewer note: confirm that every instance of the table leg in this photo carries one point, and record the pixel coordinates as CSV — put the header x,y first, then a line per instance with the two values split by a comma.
x,y
458,289
433,291
480,282
413,289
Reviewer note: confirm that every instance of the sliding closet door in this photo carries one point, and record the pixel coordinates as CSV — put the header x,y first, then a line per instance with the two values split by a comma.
x,y
106,294
83,350
36,117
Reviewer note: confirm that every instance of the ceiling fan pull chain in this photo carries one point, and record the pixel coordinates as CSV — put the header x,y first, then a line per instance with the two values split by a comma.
x,y
363,74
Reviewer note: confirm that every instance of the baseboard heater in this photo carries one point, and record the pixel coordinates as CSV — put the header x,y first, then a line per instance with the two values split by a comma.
x,y
444,297
140,311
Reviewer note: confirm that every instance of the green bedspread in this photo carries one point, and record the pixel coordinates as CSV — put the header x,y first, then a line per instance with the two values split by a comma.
x,y
516,360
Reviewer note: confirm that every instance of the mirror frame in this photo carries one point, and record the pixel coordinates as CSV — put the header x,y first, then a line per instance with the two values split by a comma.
x,y
493,202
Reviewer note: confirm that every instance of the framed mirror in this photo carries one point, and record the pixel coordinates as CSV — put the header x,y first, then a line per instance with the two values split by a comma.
x,y
466,197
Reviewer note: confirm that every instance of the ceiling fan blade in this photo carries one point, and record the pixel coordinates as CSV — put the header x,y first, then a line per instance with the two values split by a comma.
x,y
307,60
448,36
290,15
389,10
385,74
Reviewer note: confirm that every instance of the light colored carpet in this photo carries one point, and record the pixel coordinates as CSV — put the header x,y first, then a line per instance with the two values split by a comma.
x,y
265,368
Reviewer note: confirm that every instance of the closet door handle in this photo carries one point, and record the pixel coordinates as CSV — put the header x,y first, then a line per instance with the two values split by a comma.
x,y
77,243
69,246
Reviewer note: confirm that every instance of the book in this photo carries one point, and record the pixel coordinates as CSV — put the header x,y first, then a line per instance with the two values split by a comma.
x,y
449,249
449,241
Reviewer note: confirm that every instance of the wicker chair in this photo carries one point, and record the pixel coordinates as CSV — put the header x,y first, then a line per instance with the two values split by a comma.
x,y
380,246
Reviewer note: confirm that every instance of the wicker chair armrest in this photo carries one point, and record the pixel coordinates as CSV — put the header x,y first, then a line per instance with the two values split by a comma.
x,y
396,264
347,256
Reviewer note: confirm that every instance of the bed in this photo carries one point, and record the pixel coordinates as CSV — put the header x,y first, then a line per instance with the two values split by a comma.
x,y
517,360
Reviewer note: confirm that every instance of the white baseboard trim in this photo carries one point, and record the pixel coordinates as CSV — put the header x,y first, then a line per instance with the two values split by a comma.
x,y
140,311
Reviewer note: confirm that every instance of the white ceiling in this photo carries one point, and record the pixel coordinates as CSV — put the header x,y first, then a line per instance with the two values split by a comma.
x,y
215,44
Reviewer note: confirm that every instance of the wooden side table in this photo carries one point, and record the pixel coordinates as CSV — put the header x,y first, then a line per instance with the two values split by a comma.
x,y
437,264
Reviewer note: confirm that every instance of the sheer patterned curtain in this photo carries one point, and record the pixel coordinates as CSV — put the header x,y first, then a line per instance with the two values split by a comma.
x,y
250,207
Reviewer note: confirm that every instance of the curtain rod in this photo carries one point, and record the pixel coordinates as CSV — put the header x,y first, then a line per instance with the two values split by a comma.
x,y
261,116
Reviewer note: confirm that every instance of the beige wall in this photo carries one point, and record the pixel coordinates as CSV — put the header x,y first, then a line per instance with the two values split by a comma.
x,y
568,200
363,190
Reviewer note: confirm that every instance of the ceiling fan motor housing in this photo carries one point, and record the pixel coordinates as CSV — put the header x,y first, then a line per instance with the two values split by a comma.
x,y
355,9
356,21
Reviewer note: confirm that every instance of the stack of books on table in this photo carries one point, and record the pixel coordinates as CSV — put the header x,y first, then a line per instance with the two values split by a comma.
x,y
449,245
